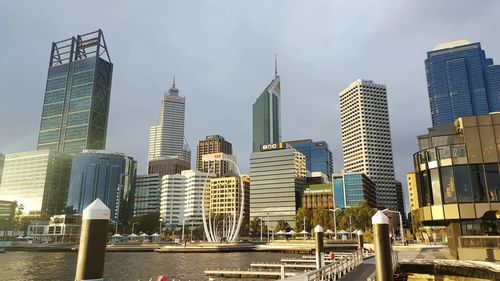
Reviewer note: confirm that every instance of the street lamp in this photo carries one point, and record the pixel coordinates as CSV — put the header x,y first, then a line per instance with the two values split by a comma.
x,y
334,222
161,222
400,223
133,226
260,229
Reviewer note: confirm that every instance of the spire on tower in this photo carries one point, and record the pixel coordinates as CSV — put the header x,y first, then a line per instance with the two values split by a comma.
x,y
275,66
173,84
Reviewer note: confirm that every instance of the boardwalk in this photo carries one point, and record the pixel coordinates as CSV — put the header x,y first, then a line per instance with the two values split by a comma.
x,y
361,272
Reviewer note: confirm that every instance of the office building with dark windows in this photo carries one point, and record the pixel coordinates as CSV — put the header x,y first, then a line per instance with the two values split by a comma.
x,y
168,166
2,161
77,95
318,156
210,145
266,115
147,194
461,81
105,175
278,179
458,183
350,189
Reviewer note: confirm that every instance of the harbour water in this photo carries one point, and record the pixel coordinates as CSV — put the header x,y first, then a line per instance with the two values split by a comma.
x,y
127,266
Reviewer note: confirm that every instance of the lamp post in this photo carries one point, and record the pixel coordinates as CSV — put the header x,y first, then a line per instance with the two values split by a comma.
x,y
133,226
191,231
334,222
260,229
400,223
268,227
161,222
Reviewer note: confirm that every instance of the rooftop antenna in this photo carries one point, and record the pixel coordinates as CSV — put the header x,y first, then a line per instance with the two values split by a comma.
x,y
173,84
275,66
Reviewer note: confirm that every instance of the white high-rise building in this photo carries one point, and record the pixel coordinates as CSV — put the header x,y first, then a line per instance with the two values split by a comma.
x,y
166,136
182,197
366,137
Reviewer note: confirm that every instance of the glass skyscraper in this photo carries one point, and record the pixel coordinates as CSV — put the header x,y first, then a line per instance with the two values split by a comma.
x,y
77,94
349,189
104,175
318,156
266,115
461,81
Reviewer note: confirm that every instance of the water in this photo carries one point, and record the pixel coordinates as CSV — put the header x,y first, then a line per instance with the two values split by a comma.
x,y
127,266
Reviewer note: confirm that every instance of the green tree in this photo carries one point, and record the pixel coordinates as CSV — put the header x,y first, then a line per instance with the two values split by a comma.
x,y
148,223
255,227
299,219
282,225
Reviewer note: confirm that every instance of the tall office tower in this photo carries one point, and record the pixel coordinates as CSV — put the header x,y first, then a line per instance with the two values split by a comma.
x,y
350,189
318,156
2,160
210,145
461,81
168,166
37,179
166,136
108,176
266,114
147,194
278,174
366,137
400,200
182,197
224,197
77,95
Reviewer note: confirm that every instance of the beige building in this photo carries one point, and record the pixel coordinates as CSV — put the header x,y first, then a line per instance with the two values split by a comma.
x,y
224,196
412,190
210,145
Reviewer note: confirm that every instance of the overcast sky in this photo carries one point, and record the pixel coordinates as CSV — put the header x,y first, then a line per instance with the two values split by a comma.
x,y
222,54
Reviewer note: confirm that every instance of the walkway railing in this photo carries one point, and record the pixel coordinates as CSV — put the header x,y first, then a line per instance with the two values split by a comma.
x,y
395,261
332,271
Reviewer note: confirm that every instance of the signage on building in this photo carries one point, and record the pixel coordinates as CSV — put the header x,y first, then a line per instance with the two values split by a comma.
x,y
218,156
273,146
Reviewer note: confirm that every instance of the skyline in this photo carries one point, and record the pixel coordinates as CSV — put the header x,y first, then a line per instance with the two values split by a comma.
x,y
236,72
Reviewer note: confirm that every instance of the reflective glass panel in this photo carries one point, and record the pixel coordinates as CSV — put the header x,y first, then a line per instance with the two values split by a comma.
x,y
462,183
478,183
448,185
493,181
436,187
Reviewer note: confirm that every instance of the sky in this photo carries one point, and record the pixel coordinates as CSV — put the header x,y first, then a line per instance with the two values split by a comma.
x,y
222,55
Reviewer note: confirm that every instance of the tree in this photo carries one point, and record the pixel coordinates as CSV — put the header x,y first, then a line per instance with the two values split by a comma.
x,y
299,219
282,225
148,223
255,227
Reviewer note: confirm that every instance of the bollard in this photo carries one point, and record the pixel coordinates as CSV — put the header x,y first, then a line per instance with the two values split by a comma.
x,y
282,272
382,243
320,252
90,264
360,240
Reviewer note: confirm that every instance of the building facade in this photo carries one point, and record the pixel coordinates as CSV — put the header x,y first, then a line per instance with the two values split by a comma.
x,y
461,81
2,161
168,166
147,194
318,196
210,145
219,164
411,179
166,136
350,189
106,175
278,180
7,213
319,158
266,115
224,197
182,197
458,181
366,137
38,180
77,95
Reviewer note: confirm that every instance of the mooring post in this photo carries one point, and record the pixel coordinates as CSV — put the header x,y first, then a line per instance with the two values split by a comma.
x,y
282,272
93,237
382,243
320,252
360,240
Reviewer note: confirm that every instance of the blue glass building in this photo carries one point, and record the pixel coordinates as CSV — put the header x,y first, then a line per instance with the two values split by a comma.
x,y
461,81
349,189
104,175
318,156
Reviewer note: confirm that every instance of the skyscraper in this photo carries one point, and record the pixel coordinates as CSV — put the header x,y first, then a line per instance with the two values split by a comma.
x,y
461,81
366,137
266,114
350,189
211,144
318,156
77,95
2,160
168,166
147,194
166,136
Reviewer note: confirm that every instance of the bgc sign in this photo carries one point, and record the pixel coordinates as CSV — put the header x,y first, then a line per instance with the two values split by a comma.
x,y
272,146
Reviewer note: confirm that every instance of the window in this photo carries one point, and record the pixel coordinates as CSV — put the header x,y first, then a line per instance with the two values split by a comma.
x,y
493,181
462,183
478,183
436,187
448,185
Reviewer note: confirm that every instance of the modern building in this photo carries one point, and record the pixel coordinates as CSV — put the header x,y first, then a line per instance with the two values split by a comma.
x,y
224,197
461,81
166,136
38,180
412,190
219,164
350,189
147,194
7,212
60,228
77,95
168,166
182,197
318,156
213,144
366,137
317,178
318,196
458,184
400,201
278,175
266,115
106,175
2,161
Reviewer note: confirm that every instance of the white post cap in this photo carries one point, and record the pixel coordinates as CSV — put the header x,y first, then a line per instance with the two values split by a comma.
x,y
318,228
96,211
380,218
